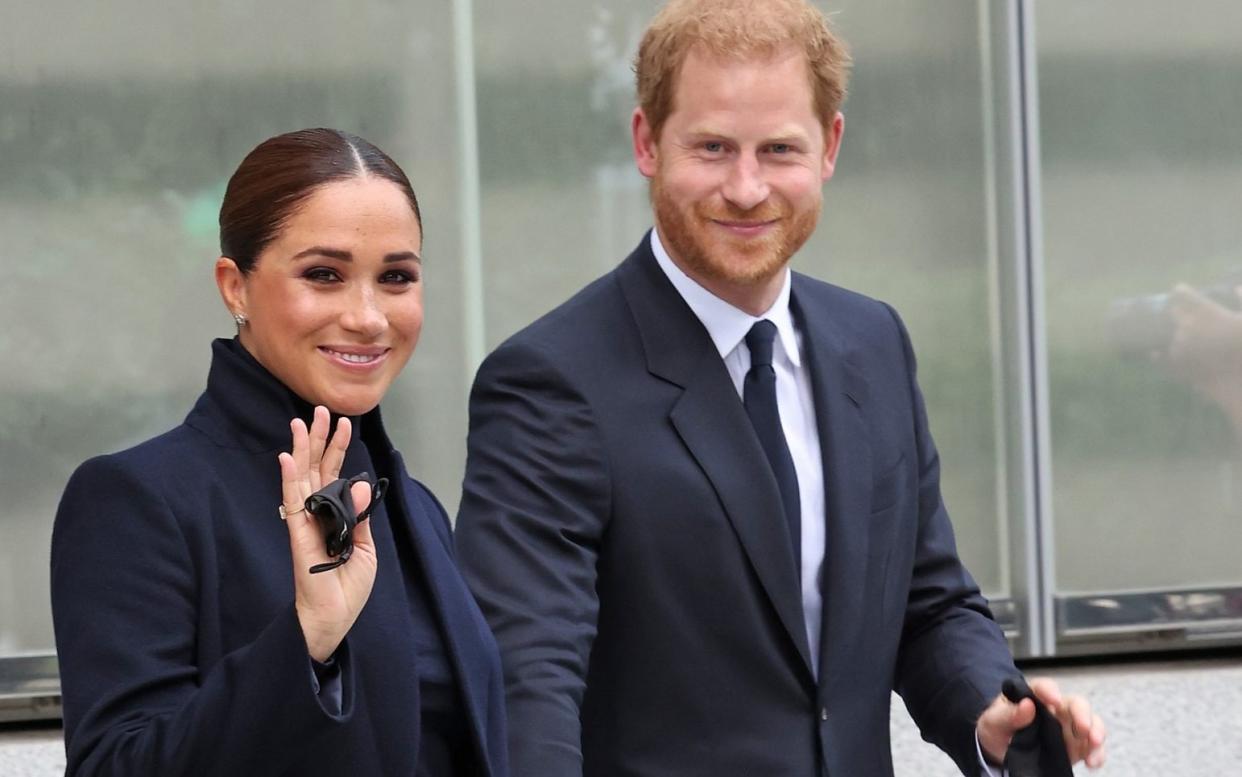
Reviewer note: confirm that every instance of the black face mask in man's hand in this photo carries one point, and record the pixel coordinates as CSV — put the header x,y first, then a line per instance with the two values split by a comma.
x,y
1039,749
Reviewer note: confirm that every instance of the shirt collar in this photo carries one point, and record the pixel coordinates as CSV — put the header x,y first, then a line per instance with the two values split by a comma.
x,y
726,324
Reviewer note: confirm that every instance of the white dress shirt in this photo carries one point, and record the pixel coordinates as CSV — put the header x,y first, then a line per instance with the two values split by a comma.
x,y
727,326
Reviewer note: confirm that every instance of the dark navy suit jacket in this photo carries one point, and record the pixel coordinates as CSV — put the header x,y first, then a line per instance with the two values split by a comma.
x,y
622,530
172,596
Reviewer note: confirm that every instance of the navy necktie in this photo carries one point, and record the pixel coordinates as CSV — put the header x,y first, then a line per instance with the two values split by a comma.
x,y
759,397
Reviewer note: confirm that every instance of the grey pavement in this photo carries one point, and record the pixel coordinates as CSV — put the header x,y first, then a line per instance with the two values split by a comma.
x,y
1165,719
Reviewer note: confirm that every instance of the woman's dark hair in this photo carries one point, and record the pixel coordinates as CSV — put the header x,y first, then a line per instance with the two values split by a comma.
x,y
281,172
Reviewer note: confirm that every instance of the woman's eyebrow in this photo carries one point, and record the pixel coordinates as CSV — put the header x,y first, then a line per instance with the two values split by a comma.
x,y
345,256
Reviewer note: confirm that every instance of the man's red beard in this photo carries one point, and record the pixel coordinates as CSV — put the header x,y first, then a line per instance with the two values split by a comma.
x,y
712,254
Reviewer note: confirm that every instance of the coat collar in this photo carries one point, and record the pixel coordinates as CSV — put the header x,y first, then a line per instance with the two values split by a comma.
x,y
247,407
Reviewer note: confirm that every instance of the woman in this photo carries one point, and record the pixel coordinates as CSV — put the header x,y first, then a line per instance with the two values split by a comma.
x,y
193,637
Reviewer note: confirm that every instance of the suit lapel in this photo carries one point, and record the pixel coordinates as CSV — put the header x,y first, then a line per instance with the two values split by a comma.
x,y
711,421
841,394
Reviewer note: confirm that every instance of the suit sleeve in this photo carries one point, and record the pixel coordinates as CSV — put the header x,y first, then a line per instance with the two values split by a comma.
x,y
534,507
124,606
953,656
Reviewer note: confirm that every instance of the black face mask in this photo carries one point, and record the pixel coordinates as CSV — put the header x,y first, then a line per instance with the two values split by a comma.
x,y
1039,749
333,508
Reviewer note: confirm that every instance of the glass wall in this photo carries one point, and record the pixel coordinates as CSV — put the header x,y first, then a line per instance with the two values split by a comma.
x,y
1142,191
116,139
119,126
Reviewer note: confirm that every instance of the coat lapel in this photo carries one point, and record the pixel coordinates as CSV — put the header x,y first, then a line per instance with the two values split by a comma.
x,y
451,602
841,394
711,421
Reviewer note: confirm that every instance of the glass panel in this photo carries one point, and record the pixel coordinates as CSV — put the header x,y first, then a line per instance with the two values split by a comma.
x,y
1142,187
905,219
561,200
116,141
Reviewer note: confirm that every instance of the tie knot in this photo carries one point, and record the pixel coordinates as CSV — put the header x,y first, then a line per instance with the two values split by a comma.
x,y
759,341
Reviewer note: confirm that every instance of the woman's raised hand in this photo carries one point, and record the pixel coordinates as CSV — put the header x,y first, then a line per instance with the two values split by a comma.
x,y
327,603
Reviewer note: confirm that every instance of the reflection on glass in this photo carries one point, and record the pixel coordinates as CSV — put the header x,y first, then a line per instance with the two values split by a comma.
x,y
1142,186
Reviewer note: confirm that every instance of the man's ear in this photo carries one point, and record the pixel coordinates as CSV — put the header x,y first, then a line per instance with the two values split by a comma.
x,y
645,151
832,145
232,284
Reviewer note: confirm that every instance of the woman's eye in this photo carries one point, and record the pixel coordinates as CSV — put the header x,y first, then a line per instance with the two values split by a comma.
x,y
399,277
321,275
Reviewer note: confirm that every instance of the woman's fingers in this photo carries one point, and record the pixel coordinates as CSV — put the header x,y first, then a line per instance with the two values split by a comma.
x,y
318,442
290,485
301,453
304,541
361,493
334,455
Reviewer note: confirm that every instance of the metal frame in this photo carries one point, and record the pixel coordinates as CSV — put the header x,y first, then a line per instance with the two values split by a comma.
x,y
1035,348
1010,245
1149,620
470,200
29,687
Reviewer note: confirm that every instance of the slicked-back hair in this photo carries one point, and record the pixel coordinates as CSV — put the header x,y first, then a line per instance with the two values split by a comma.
x,y
277,176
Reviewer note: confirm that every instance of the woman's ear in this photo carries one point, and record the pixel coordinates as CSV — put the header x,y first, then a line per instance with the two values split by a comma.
x,y
232,284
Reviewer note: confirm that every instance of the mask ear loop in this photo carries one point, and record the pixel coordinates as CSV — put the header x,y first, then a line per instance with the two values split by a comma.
x,y
343,506
378,489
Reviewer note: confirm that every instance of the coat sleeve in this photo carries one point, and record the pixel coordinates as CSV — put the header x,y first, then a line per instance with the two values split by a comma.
x,y
535,505
125,610
953,656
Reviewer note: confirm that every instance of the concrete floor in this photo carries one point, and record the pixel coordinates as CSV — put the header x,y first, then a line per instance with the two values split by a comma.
x,y
1165,719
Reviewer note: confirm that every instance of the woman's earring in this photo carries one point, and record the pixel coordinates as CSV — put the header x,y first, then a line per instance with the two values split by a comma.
x,y
240,319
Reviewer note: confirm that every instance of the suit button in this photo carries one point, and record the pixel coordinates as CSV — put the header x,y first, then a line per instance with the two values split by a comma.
x,y
823,713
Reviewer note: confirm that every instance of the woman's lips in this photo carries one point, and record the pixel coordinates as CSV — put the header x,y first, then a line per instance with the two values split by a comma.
x,y
358,358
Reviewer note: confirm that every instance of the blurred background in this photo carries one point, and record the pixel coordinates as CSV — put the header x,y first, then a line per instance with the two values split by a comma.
x,y
1028,183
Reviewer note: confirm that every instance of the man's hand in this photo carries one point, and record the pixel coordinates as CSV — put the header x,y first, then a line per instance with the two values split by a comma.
x,y
1082,729
1206,347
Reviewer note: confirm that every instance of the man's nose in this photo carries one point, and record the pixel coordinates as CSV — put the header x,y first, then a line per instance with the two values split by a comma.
x,y
745,186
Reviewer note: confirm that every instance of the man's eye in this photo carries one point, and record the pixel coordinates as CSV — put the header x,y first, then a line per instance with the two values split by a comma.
x,y
781,148
713,146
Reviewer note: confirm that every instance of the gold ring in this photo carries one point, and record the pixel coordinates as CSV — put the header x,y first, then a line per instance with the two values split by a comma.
x,y
284,514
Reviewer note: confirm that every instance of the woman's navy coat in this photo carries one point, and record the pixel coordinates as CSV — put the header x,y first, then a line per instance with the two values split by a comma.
x,y
172,596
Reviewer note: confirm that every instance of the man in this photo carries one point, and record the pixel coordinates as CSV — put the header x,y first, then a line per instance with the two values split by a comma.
x,y
701,508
